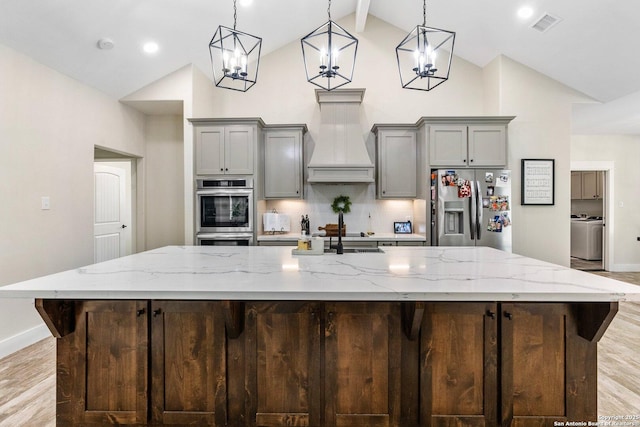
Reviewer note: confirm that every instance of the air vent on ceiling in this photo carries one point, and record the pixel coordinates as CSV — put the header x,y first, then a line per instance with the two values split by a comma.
x,y
545,22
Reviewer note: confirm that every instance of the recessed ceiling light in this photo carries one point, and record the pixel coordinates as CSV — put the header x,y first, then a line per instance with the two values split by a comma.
x,y
150,47
525,12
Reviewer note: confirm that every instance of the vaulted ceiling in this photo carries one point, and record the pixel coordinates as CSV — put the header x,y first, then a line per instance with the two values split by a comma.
x,y
593,48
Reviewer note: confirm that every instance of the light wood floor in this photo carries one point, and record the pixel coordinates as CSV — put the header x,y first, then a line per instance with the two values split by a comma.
x,y
27,378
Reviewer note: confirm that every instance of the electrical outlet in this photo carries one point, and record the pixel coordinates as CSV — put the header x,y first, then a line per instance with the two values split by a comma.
x,y
45,203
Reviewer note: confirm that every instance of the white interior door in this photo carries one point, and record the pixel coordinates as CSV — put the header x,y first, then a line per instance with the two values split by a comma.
x,y
112,213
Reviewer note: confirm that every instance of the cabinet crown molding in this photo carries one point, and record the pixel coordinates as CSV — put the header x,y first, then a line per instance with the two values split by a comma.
x,y
467,120
228,121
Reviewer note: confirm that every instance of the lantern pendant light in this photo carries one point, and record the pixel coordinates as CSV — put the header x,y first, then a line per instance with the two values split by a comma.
x,y
329,54
235,57
424,56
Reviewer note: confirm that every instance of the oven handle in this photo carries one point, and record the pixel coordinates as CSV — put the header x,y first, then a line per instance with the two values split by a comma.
x,y
226,192
224,236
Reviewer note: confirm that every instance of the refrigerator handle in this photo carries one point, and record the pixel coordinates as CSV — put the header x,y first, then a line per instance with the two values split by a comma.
x,y
472,212
479,221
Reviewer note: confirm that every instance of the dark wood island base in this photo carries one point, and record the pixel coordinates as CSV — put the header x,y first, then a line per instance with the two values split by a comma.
x,y
343,364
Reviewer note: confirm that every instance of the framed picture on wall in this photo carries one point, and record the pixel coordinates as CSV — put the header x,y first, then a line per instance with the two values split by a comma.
x,y
538,182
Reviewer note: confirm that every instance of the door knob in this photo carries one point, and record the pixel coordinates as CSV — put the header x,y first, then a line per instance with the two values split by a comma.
x,y
123,226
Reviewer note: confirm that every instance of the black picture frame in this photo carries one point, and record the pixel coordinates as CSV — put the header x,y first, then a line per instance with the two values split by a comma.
x,y
402,227
538,182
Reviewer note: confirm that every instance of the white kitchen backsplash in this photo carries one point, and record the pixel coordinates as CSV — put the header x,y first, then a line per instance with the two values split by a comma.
x,y
318,200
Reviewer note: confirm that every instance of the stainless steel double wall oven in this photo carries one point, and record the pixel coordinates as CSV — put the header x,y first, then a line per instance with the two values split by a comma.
x,y
224,211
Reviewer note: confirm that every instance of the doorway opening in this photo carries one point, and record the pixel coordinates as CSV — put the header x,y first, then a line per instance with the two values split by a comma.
x,y
588,219
114,205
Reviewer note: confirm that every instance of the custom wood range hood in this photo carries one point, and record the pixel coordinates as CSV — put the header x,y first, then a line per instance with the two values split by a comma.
x,y
340,154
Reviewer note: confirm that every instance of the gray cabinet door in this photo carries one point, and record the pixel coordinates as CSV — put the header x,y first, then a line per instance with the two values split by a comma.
x,y
448,145
238,150
487,146
397,161
283,164
591,185
210,150
576,185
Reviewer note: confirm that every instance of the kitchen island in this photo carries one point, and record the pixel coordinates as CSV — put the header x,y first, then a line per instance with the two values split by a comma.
x,y
414,336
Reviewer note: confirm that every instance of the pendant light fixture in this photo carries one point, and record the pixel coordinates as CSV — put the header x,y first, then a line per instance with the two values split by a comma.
x,y
329,54
235,57
424,56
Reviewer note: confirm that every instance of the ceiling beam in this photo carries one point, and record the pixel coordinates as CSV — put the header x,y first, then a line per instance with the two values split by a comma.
x,y
362,10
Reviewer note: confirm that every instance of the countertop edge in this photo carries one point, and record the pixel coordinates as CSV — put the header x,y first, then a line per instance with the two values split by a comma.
x,y
316,296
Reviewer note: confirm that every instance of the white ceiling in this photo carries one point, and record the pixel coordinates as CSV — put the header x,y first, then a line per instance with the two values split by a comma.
x,y
593,49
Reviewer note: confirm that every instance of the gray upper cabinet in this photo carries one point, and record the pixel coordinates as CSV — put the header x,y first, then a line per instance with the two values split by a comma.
x,y
396,155
587,185
487,145
467,141
592,185
224,150
283,162
448,145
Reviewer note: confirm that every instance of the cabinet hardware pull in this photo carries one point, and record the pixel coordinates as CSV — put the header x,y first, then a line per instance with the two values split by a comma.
x,y
140,312
156,312
491,314
221,170
471,160
508,315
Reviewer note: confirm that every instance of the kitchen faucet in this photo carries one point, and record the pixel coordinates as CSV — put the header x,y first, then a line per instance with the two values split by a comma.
x,y
339,248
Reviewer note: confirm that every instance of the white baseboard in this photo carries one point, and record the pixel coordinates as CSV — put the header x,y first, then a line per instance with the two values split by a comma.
x,y
24,339
625,268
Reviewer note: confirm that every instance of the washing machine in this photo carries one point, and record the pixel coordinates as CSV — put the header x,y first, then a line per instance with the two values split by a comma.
x,y
586,239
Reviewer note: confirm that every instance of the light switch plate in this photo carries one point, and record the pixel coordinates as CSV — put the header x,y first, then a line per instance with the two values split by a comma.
x,y
45,203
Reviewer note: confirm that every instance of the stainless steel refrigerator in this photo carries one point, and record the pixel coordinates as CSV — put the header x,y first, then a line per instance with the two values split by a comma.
x,y
471,207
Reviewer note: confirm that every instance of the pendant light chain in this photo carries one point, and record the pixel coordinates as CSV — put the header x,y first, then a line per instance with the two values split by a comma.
x,y
424,13
235,14
329,10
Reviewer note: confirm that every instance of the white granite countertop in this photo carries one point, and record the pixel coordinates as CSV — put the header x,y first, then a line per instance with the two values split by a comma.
x,y
273,273
350,237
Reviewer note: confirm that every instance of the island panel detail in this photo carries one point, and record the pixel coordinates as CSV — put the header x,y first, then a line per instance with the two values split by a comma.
x,y
326,363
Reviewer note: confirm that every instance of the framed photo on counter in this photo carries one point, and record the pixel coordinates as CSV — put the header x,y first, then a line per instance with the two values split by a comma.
x,y
538,182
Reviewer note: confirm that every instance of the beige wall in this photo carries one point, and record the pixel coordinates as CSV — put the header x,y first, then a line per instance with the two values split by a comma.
x,y
164,206
541,129
49,125
185,87
623,152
